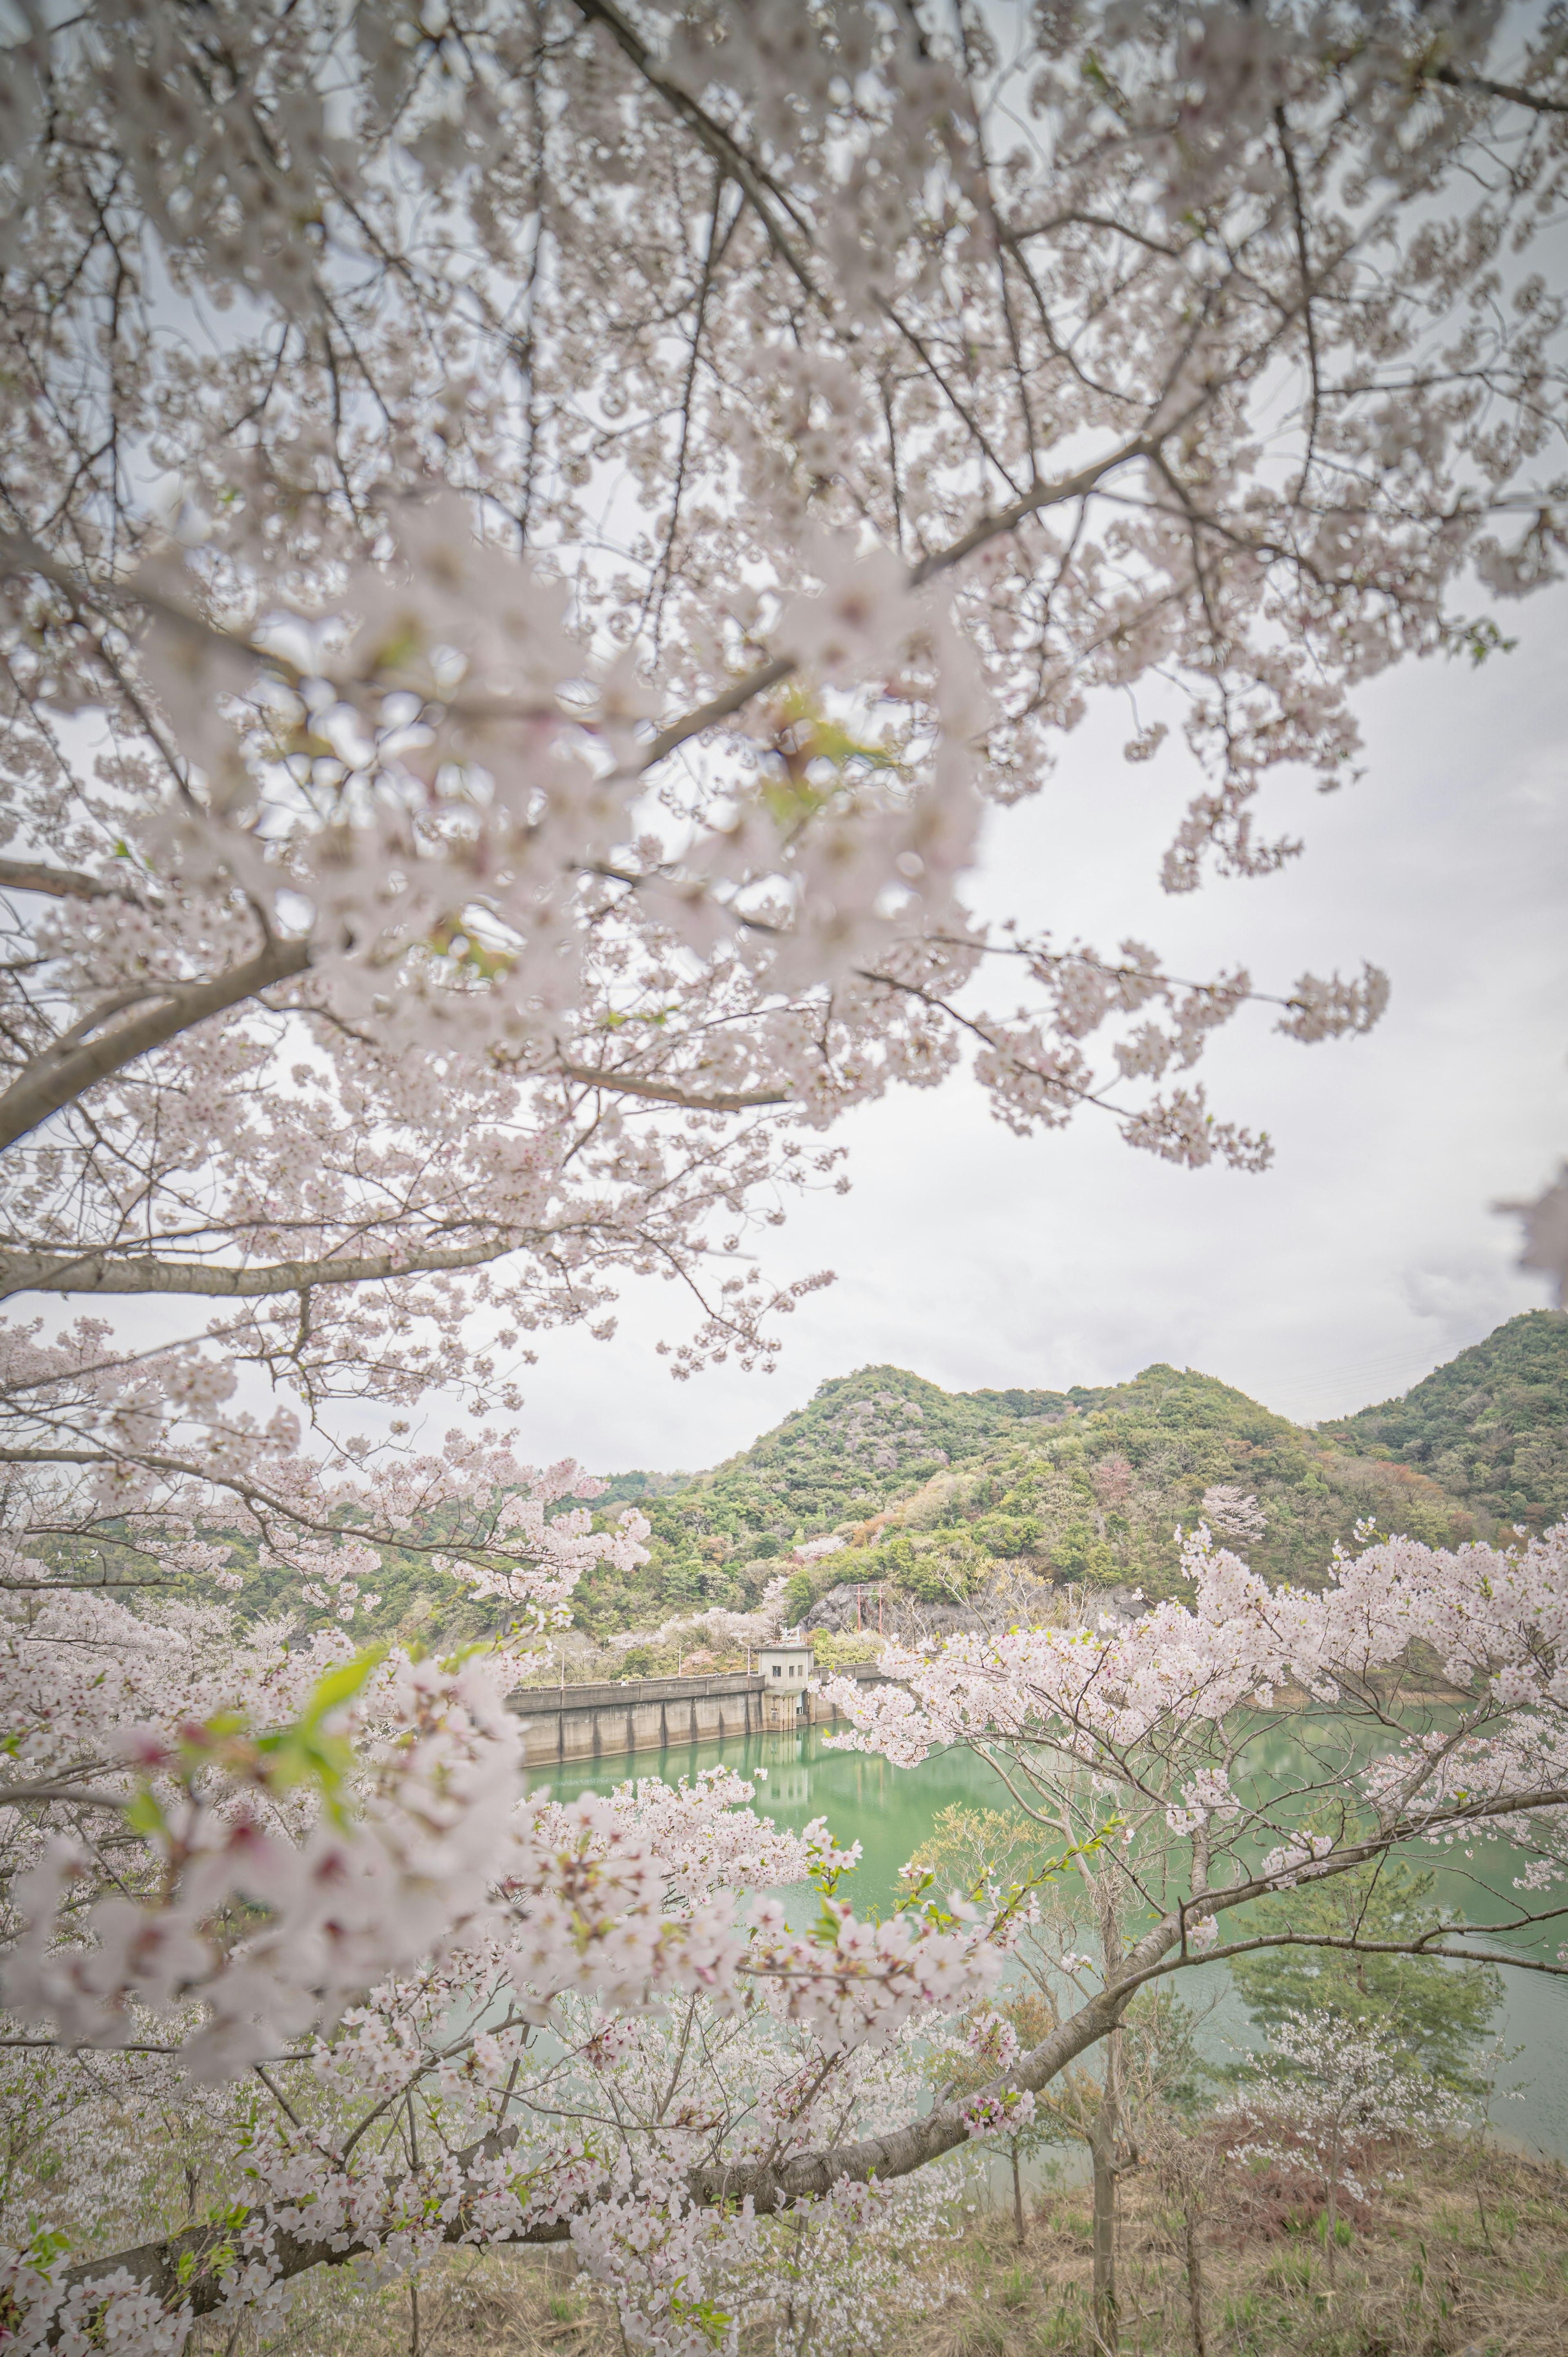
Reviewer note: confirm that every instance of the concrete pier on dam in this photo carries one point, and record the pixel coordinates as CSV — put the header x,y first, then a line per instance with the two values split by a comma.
x,y
607,1719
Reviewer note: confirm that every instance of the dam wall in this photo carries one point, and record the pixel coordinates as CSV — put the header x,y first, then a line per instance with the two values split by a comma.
x,y
603,1721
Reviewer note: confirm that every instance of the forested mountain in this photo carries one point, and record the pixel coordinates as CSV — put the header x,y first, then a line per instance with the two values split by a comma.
x,y
932,1491
1491,1426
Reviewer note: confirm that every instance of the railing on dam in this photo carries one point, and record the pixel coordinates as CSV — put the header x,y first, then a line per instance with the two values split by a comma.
x,y
610,1717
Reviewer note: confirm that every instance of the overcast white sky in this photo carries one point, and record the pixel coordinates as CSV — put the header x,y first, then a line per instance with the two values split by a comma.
x,y
1363,1258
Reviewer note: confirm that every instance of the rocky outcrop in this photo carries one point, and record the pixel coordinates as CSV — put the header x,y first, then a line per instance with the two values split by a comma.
x,y
1012,1593
1009,1593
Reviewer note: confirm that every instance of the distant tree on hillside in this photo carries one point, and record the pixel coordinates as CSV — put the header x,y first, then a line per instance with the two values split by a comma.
x,y
1491,1426
1431,2016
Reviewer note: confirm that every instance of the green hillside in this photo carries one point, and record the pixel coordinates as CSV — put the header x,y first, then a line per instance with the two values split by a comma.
x,y
862,1443
931,1489
1491,1427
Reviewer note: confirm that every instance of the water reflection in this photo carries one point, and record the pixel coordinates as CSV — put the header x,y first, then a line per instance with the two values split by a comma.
x,y
890,1810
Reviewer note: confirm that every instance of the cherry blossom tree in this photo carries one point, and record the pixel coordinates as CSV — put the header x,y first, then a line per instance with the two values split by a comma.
x,y
530,536
356,1892
1323,2092
1151,1753
1232,1513
439,1988
1102,2099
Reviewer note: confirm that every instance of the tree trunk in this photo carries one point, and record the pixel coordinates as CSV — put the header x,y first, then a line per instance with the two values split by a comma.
x,y
1102,2144
1017,2195
1102,2152
1331,2214
1195,2286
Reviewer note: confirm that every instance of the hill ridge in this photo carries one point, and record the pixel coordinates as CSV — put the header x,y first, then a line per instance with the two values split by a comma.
x,y
929,1487
1489,1424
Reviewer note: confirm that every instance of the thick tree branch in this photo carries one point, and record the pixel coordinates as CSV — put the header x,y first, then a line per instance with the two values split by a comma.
x,y
718,707
20,553
1051,492
189,2268
633,1084
1512,92
106,1272
58,883
58,1076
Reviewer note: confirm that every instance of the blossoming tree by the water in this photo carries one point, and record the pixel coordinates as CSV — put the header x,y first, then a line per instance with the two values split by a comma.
x,y
1253,1741
530,536
1324,2093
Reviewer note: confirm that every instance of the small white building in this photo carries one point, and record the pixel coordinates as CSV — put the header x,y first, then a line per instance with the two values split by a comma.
x,y
785,1668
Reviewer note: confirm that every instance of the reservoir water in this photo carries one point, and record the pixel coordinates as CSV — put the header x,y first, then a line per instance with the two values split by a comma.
x,y
890,1811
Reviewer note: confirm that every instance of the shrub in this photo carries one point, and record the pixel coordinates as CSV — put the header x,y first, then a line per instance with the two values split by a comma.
x,y
1078,1554
941,1570
835,1649
1007,1534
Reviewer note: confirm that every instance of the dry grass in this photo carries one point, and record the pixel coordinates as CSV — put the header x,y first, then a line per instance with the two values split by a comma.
x,y
1466,2257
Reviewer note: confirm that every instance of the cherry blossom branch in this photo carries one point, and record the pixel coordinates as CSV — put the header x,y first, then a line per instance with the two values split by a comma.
x,y
64,1070
58,883
1418,1947
1512,93
726,151
102,1272
178,2269
619,1083
294,1512
1053,492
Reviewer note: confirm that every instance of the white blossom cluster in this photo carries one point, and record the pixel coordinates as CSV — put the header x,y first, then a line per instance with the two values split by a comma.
x,y
1149,1739
1326,2092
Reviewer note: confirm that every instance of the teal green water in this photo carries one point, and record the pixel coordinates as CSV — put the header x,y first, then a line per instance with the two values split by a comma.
x,y
890,1810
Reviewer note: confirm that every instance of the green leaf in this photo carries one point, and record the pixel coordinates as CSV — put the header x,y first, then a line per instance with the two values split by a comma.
x,y
450,1662
709,2320
340,1685
144,1815
301,1754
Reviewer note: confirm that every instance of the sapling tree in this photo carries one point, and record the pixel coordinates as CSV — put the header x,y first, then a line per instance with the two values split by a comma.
x,y
1156,1746
1323,2092
1100,2100
1191,2170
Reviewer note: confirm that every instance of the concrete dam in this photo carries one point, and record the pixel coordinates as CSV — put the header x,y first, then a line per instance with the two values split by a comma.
x,y
606,1720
